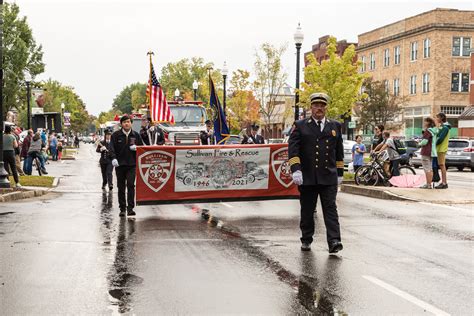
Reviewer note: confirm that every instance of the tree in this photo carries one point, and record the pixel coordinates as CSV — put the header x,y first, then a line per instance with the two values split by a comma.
x,y
181,75
269,80
337,76
378,106
123,101
20,54
242,106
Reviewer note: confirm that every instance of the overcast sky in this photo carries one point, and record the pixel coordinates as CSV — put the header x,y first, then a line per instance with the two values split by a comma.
x,y
100,46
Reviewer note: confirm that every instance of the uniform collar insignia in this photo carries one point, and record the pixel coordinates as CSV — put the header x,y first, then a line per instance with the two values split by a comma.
x,y
309,121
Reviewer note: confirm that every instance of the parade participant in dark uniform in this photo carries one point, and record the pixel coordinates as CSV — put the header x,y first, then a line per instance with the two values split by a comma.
x,y
123,149
207,136
105,162
316,157
151,135
253,138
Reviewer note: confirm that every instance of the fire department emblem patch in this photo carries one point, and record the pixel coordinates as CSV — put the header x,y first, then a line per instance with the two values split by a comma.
x,y
281,167
155,168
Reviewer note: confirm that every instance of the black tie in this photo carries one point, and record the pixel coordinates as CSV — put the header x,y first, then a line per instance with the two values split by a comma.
x,y
319,125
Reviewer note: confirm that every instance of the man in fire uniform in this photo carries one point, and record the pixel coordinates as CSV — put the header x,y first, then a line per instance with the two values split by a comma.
x,y
316,157
207,136
253,138
151,135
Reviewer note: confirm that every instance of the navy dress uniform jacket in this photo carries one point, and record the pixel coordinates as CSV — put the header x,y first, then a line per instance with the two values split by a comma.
x,y
318,154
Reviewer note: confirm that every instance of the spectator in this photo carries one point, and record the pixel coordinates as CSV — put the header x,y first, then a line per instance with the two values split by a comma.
x,y
428,150
442,147
60,149
24,151
76,141
9,145
35,152
393,155
53,146
358,151
16,132
378,138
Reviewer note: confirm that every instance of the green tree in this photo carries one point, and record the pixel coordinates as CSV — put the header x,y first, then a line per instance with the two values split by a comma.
x,y
337,76
138,97
269,80
378,106
20,54
123,101
181,75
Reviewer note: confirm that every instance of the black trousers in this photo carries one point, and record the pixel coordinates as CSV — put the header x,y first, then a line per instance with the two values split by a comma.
x,y
9,161
106,169
308,198
126,178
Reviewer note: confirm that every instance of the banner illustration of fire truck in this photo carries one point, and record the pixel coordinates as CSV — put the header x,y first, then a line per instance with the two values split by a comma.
x,y
177,174
221,169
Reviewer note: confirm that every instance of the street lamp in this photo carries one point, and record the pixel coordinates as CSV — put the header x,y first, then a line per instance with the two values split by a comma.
x,y
225,71
62,116
28,95
195,89
298,37
176,94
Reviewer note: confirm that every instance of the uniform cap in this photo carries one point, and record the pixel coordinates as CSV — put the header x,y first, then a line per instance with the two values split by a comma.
x,y
319,97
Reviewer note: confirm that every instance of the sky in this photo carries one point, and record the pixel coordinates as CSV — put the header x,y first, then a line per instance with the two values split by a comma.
x,y
100,46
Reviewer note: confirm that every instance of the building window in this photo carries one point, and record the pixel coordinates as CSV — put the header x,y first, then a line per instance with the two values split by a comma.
x,y
372,61
461,46
363,65
426,83
386,57
413,84
396,87
396,54
452,110
459,82
413,51
385,82
426,48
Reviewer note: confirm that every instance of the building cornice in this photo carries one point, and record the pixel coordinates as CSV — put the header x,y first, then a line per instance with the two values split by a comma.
x,y
418,30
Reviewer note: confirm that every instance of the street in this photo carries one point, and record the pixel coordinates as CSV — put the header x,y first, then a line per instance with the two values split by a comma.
x,y
68,252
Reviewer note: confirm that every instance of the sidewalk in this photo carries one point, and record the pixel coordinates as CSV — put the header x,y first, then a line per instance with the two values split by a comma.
x,y
449,196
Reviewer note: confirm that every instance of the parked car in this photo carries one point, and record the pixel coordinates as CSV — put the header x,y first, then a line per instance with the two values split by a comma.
x,y
460,154
411,146
416,159
348,144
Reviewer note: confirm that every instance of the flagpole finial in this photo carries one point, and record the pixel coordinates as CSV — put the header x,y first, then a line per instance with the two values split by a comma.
x,y
150,53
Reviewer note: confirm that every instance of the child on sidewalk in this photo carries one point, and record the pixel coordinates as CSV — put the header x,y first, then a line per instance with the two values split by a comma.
x,y
60,150
428,150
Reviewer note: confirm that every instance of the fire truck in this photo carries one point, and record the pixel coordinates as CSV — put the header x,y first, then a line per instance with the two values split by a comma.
x,y
189,117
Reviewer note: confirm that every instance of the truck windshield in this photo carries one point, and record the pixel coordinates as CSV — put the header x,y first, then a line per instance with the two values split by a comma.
x,y
188,115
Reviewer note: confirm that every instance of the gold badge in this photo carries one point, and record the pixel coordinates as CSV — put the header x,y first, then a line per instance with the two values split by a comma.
x,y
333,132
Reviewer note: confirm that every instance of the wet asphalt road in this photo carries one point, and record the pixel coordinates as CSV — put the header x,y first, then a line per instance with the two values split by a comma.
x,y
69,253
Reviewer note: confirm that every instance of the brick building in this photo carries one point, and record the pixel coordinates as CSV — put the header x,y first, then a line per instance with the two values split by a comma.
x,y
319,50
426,58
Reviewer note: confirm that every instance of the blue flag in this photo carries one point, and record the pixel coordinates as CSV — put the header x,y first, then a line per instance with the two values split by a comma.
x,y
221,130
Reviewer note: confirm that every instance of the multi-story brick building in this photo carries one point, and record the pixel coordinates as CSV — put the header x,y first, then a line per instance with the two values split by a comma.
x,y
426,58
319,50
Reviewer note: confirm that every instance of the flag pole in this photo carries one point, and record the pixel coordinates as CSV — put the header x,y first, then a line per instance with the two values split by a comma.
x,y
150,53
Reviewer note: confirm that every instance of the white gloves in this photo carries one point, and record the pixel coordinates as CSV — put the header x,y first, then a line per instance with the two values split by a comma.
x,y
339,180
102,148
115,163
297,177
133,147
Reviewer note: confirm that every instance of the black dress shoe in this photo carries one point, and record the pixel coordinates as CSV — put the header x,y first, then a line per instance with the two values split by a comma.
x,y
122,213
111,188
305,247
131,213
335,247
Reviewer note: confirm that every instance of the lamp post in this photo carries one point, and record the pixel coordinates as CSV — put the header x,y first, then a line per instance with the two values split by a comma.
x,y
28,95
195,89
62,117
176,94
298,37
225,71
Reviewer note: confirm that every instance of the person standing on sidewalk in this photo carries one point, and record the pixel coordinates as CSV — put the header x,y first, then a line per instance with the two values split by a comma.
x,y
428,150
123,154
442,147
9,145
358,151
53,146
105,163
24,152
316,158
16,132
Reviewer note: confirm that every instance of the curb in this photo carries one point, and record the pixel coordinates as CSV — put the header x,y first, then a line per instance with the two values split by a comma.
x,y
20,195
378,194
55,182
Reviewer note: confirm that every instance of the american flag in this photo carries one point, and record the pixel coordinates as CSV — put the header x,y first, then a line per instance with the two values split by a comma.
x,y
159,109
